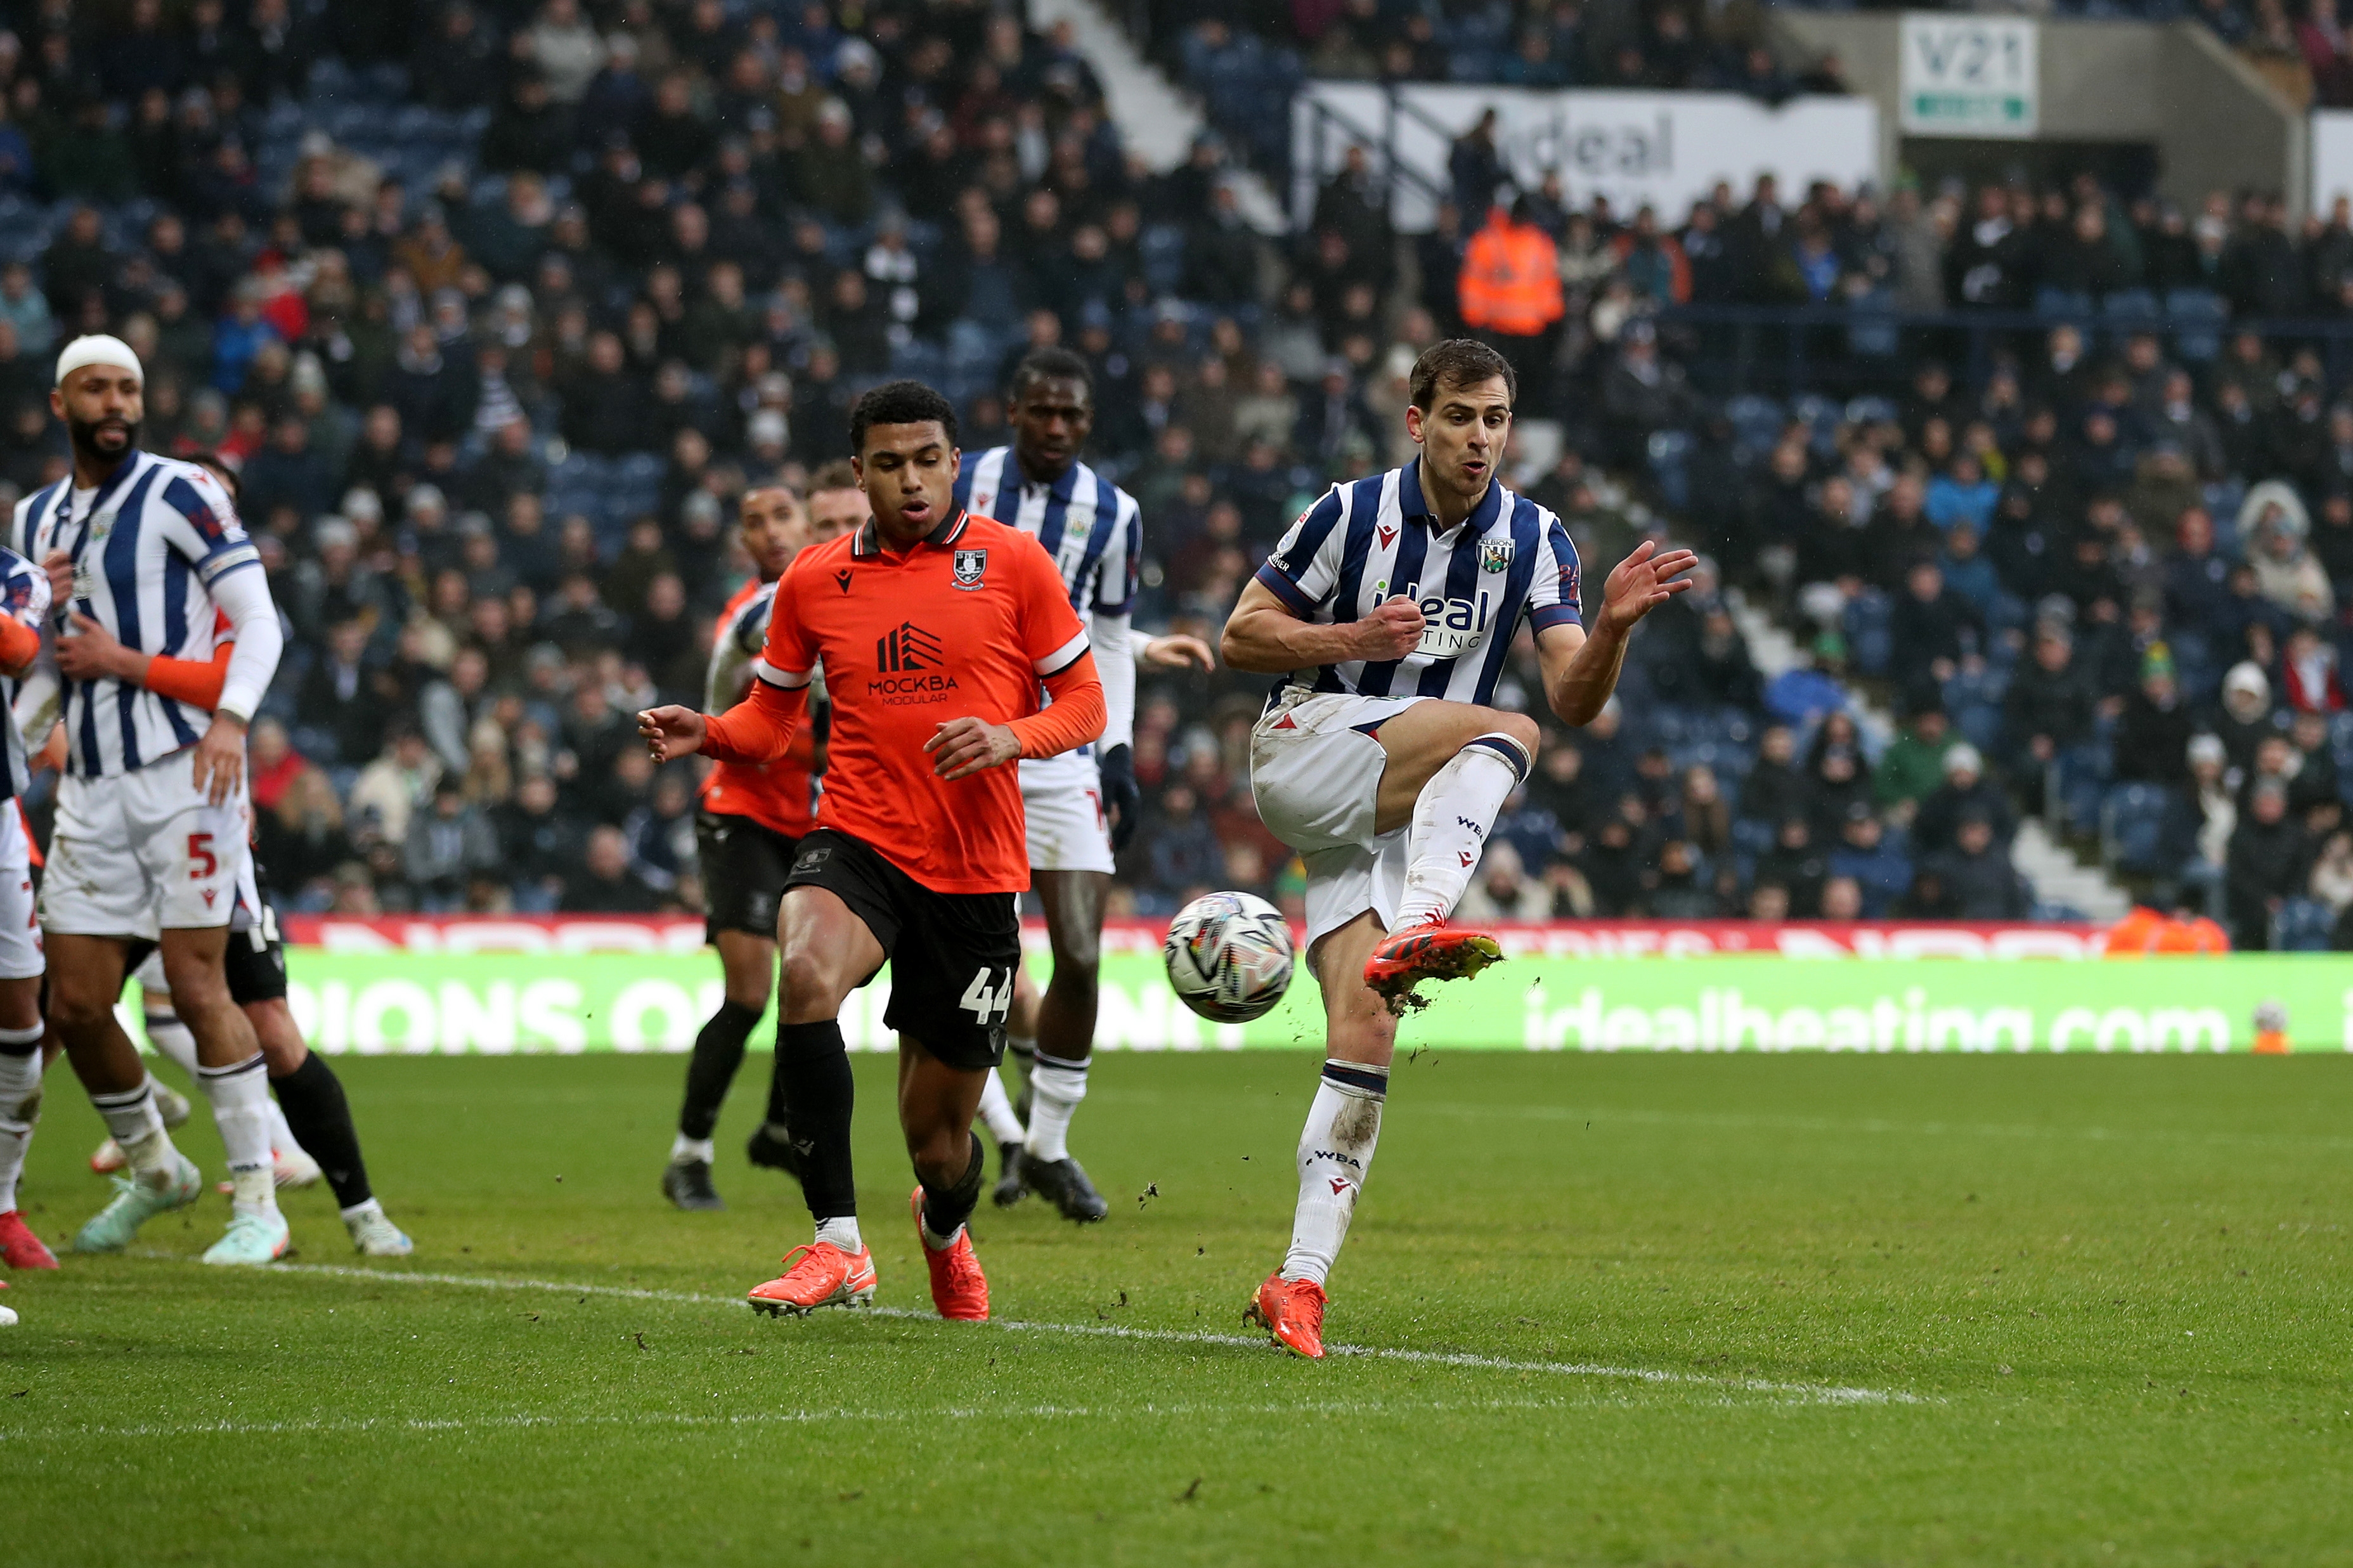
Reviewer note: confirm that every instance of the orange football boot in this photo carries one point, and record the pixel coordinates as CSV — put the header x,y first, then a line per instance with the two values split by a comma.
x,y
817,1274
20,1248
959,1289
1292,1311
1426,949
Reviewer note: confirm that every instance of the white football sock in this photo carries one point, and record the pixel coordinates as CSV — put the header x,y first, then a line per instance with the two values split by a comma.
x,y
1335,1150
172,1038
20,1106
361,1211
997,1112
281,1137
1056,1087
1450,819
843,1233
240,1097
137,1130
682,1147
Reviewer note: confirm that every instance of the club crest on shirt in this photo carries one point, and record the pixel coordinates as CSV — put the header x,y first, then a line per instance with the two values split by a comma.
x,y
1494,554
969,565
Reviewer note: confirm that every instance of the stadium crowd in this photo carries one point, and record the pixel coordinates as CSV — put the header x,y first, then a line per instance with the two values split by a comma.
x,y
494,378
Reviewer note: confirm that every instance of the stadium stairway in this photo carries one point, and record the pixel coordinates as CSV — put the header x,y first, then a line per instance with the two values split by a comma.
x,y
1155,118
2062,885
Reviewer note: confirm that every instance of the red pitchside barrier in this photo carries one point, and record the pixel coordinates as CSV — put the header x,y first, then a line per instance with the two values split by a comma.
x,y
1593,939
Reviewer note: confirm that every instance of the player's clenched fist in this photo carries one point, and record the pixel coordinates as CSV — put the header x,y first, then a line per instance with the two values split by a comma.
x,y
962,747
1392,631
670,733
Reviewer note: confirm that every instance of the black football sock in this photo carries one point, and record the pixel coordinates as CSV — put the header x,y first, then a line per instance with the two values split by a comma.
x,y
780,1109
945,1211
813,1067
718,1052
311,1096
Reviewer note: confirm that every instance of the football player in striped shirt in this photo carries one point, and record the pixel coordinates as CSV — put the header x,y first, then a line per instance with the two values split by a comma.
x,y
309,1094
1388,610
151,836
1081,806
24,602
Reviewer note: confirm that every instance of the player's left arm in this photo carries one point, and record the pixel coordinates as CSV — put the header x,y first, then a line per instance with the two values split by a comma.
x,y
1582,669
1117,574
200,522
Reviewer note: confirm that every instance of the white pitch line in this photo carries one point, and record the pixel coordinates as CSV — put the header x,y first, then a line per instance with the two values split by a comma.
x,y
428,1425
1817,1393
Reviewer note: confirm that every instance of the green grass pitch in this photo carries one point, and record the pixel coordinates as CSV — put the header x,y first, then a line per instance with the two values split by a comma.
x,y
1807,1310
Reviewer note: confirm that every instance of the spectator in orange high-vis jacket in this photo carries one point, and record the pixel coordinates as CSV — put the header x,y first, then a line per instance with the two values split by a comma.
x,y
2150,930
1510,296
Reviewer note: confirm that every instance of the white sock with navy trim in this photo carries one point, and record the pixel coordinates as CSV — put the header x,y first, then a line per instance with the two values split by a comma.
x,y
1451,820
1335,1151
240,1097
1056,1087
20,1107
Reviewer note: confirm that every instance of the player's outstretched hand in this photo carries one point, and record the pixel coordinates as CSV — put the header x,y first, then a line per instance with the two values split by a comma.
x,y
670,733
1392,631
219,765
1643,582
963,747
1176,652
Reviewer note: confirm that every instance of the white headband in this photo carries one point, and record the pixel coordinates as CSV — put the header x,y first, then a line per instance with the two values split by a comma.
x,y
101,349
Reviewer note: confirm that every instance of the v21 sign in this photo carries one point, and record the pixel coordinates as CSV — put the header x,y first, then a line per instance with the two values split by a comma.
x,y
1969,76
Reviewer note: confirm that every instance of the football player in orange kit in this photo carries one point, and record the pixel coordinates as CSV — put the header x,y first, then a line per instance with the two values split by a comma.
x,y
747,831
935,631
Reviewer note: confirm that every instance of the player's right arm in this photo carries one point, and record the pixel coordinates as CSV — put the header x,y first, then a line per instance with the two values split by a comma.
x,y
1271,630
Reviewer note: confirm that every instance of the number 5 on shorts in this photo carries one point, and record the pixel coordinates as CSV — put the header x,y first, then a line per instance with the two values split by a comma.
x,y
201,861
986,1005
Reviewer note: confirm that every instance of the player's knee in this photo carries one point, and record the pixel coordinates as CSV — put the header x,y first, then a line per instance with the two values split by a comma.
x,y
807,982
1518,726
1078,969
76,1009
749,987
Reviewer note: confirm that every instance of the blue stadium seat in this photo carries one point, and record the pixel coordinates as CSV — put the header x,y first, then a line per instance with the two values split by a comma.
x,y
1669,451
1756,421
2131,818
2197,316
2069,304
2302,925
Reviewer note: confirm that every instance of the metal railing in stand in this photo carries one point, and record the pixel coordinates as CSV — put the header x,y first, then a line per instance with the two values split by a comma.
x,y
1310,166
1852,348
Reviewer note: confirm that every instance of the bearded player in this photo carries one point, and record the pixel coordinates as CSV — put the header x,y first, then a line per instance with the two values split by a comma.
x,y
935,629
150,837
1390,610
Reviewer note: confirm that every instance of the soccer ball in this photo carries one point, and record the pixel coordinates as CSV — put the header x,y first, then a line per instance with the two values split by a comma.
x,y
1228,956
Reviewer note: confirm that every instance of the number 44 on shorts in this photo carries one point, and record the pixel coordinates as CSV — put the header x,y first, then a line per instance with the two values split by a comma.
x,y
987,1000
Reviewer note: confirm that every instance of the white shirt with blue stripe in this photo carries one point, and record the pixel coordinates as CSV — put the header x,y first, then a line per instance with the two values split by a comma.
x,y
1370,540
25,599
1094,531
147,545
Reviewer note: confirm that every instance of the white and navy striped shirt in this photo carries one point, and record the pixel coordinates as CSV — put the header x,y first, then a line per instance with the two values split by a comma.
x,y
25,599
146,547
1092,529
1373,539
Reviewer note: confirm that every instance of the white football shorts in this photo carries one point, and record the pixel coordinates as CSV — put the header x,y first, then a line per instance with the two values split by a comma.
x,y
20,930
1316,773
143,852
1063,799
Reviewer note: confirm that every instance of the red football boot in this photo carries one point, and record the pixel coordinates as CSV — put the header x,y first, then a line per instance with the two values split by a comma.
x,y
818,1274
1428,950
20,1248
959,1289
1292,1311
